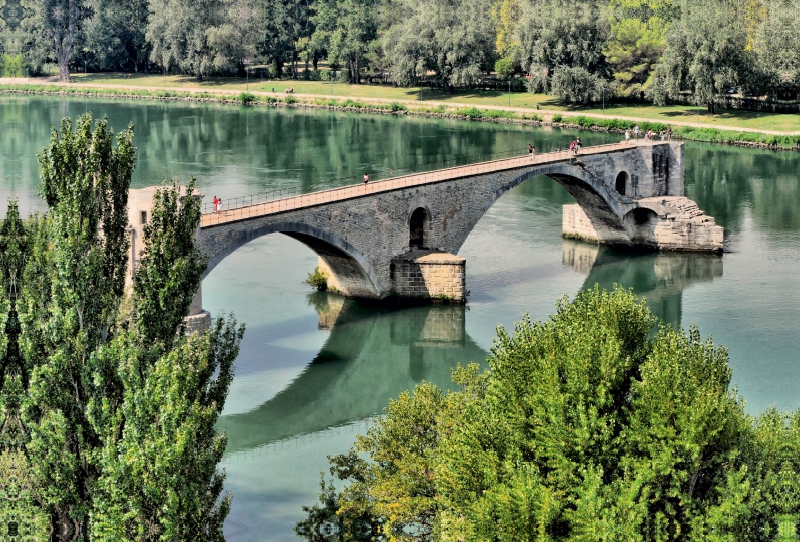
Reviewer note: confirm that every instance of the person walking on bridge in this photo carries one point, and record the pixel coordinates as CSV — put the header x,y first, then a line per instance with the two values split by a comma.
x,y
366,178
636,132
216,205
627,136
531,150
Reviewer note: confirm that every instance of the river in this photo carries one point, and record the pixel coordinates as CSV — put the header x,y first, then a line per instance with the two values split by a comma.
x,y
314,368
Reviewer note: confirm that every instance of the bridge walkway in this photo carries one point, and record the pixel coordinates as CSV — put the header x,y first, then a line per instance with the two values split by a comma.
x,y
321,197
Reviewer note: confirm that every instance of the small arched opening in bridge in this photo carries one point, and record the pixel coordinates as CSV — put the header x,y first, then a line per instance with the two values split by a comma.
x,y
418,225
621,185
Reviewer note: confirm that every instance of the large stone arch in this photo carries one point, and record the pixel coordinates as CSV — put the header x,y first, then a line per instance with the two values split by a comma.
x,y
604,207
352,273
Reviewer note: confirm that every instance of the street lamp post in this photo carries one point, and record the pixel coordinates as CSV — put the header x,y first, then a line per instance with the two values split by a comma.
x,y
509,93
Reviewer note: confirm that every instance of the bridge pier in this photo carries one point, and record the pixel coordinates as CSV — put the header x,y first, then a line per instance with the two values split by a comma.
x,y
672,223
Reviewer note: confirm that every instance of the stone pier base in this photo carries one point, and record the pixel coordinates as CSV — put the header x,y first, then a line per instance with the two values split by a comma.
x,y
197,323
660,223
436,276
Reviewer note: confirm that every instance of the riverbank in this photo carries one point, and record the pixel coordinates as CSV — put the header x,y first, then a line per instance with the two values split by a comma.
x,y
741,136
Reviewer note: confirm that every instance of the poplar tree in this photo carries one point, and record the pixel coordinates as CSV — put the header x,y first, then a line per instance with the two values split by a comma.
x,y
115,437
71,293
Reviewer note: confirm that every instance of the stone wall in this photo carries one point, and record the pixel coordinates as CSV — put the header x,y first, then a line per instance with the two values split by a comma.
x,y
430,275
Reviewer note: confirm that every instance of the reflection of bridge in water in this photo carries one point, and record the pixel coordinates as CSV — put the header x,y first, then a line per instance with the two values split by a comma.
x,y
659,277
374,354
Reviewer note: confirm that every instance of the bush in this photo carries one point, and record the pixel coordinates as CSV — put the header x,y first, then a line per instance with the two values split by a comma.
x,y
504,68
12,66
318,279
290,100
398,106
575,85
246,98
558,117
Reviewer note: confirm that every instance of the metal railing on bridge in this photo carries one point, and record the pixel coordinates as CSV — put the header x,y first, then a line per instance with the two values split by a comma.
x,y
288,198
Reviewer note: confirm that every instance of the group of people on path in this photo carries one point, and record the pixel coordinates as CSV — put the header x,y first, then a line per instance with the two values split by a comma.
x,y
649,135
217,205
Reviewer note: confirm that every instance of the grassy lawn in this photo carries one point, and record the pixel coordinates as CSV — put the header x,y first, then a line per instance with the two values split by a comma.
x,y
520,100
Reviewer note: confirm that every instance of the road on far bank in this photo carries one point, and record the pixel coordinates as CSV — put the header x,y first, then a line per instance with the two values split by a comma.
x,y
544,106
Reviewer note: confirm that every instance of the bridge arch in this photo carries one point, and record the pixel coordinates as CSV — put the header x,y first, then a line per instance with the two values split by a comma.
x,y
352,273
604,207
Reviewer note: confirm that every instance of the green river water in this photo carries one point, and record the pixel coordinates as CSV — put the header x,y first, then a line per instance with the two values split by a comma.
x,y
314,368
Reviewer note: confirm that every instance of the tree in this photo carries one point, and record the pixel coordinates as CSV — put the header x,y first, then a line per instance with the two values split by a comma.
x,y
234,40
553,33
71,291
706,53
174,390
586,427
178,31
121,405
345,29
454,40
63,21
636,40
115,34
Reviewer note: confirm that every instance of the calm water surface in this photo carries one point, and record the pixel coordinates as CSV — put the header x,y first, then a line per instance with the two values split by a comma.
x,y
314,368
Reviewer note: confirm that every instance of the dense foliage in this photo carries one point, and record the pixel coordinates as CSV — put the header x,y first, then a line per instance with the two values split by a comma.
x,y
586,427
669,50
108,407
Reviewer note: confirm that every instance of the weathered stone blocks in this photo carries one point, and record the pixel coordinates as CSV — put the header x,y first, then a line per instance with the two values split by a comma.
x,y
429,275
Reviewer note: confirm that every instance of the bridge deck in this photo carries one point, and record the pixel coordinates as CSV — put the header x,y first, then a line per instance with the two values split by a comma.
x,y
399,182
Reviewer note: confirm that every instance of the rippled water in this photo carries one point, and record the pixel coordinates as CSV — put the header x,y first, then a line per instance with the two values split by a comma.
x,y
314,368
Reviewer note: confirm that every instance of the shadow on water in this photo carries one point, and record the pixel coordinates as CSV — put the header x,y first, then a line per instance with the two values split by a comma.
x,y
372,355
659,277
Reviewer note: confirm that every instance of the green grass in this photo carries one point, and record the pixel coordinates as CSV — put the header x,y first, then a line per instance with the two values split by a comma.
x,y
520,100
224,91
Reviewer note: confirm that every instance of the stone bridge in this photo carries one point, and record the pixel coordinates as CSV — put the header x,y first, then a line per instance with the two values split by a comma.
x,y
399,236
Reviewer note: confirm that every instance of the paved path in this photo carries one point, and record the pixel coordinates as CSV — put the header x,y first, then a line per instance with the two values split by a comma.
x,y
356,190
412,103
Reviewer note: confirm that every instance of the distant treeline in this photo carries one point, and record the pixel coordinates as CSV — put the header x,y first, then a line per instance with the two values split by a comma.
x,y
663,50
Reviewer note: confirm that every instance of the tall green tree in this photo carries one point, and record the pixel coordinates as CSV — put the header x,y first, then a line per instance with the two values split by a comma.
x,y
63,20
706,53
178,31
115,35
345,29
160,447
586,427
454,40
553,33
72,287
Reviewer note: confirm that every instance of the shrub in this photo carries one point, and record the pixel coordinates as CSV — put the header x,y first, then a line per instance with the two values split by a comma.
x,y
471,113
398,107
318,279
12,66
290,100
575,85
504,68
557,117
246,98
